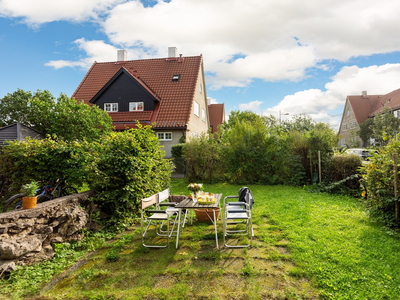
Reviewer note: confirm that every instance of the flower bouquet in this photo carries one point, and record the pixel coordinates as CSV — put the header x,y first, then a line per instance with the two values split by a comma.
x,y
195,188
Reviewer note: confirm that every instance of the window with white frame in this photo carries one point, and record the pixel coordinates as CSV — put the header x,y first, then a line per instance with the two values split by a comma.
x,y
344,127
343,142
196,109
164,136
353,124
195,134
200,89
111,107
348,112
396,113
136,106
203,115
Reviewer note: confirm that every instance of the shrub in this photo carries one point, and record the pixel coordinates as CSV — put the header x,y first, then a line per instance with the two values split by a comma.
x,y
342,168
203,159
126,167
378,180
32,159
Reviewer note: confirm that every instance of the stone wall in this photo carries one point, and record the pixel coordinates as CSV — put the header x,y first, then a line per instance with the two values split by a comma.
x,y
26,235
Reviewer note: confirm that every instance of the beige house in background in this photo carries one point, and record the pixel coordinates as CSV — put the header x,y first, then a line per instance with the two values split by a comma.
x,y
168,92
357,109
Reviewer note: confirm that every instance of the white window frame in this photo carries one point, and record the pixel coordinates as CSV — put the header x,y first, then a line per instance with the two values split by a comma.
x,y
195,134
200,88
164,136
133,106
396,113
109,107
343,142
353,124
344,127
196,109
203,115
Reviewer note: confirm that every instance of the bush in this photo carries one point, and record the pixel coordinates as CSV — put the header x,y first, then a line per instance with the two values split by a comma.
x,y
126,167
24,161
179,161
342,168
203,159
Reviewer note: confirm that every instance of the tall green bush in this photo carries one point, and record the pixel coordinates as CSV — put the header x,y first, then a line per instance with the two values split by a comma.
x,y
32,159
203,159
126,167
378,180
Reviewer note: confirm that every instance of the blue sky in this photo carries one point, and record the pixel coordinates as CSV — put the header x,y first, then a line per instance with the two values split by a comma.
x,y
261,55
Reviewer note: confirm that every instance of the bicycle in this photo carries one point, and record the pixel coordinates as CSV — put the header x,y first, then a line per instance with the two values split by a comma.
x,y
44,193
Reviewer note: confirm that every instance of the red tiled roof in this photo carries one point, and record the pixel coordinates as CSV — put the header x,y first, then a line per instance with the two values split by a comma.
x,y
130,116
216,113
155,74
391,100
362,106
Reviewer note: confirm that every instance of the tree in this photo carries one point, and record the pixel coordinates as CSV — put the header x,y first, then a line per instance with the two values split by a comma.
x,y
385,125
64,118
366,131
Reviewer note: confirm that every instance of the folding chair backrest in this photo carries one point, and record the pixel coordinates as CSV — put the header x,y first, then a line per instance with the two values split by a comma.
x,y
164,195
146,202
246,196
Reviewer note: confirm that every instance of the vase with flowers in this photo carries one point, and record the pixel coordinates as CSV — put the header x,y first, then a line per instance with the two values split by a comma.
x,y
195,188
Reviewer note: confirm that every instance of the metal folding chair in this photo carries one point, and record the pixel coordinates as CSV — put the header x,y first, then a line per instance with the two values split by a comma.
x,y
170,201
236,214
156,218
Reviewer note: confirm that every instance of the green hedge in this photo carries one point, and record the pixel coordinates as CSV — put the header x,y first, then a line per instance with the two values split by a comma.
x,y
120,168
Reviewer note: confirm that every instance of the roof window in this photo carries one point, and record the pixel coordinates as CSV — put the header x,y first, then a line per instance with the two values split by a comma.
x,y
176,77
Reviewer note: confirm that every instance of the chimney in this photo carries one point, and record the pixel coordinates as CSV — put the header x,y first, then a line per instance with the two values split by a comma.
x,y
364,94
180,59
172,52
121,55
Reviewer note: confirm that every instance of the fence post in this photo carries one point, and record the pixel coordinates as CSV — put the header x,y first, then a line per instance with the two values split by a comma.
x,y
319,166
311,166
396,180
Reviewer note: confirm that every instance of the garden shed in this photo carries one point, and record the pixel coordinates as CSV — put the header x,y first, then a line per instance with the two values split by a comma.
x,y
18,132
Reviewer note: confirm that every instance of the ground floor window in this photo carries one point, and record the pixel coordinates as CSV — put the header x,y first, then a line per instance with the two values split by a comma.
x,y
164,136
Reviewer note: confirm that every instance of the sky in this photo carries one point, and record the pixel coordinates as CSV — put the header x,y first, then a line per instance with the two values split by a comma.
x,y
273,57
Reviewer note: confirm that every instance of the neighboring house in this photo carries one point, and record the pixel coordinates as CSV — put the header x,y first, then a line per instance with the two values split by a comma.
x,y
357,109
217,115
169,92
18,132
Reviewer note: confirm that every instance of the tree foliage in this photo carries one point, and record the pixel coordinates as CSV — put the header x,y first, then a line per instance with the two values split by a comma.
x,y
64,118
126,167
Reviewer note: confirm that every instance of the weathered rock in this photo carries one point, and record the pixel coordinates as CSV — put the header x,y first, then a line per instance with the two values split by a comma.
x,y
26,235
15,248
6,267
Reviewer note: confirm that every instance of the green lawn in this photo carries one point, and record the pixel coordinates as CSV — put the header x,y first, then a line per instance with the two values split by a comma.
x,y
307,246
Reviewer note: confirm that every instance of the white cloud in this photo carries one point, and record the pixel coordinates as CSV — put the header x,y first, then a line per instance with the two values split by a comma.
x,y
38,12
240,40
321,105
253,106
96,51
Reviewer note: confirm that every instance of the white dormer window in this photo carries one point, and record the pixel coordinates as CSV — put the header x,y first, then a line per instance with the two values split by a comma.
x,y
111,107
196,108
203,115
136,106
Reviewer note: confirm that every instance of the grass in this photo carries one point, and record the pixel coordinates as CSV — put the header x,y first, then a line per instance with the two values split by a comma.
x,y
307,246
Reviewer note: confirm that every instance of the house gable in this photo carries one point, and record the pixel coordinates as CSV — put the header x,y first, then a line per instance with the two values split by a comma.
x,y
124,88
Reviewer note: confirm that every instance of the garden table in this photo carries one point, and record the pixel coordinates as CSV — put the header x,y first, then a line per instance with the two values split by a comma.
x,y
190,204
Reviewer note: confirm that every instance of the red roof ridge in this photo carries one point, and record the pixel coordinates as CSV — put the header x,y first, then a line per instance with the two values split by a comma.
x,y
84,78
